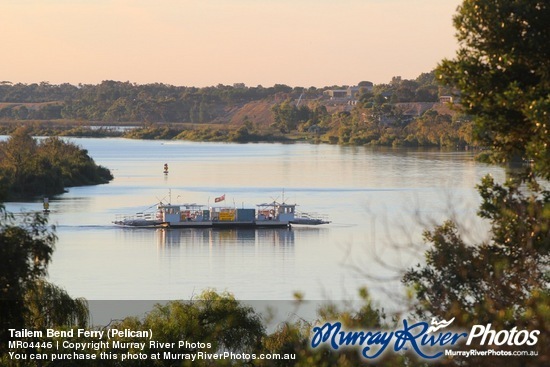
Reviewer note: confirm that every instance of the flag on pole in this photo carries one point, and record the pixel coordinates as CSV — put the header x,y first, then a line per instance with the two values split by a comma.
x,y
218,199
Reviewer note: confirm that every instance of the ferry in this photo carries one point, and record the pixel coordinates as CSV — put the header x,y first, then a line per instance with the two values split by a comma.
x,y
266,215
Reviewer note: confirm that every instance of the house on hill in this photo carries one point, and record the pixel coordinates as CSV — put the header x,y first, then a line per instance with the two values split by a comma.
x,y
348,96
348,93
336,93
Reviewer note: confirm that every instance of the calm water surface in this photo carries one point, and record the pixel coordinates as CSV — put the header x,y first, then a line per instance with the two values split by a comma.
x,y
379,201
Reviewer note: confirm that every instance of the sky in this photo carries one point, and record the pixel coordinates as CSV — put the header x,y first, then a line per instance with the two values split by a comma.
x,y
209,42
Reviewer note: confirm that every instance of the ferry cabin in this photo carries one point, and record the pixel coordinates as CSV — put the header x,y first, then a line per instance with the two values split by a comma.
x,y
184,213
283,213
194,215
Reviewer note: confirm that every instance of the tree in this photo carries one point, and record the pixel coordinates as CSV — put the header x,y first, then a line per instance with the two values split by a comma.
x,y
287,116
27,300
294,338
29,168
211,322
25,252
502,70
500,281
49,306
16,155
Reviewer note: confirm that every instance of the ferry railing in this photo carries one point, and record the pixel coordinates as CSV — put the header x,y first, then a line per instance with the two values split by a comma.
x,y
146,216
312,215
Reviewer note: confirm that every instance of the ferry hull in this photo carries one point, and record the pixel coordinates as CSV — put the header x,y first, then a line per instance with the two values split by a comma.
x,y
267,215
219,225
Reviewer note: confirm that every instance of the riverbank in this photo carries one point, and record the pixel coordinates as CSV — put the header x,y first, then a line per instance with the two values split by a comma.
x,y
432,130
31,168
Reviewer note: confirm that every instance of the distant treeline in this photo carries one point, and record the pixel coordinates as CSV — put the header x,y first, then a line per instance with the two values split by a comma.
x,y
30,168
113,101
376,116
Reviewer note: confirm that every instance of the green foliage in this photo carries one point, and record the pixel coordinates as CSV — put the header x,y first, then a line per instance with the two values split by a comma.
x,y
204,134
118,102
112,101
499,281
25,251
49,306
155,104
293,338
152,132
434,129
422,89
218,320
378,119
29,168
288,116
27,300
502,70
384,125
42,92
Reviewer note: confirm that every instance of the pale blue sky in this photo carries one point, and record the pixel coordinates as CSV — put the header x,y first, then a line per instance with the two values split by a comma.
x,y
200,43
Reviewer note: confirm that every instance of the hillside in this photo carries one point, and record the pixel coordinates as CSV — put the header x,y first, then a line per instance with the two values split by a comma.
x,y
258,112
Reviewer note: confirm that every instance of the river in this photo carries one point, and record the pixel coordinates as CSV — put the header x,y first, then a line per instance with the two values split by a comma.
x,y
378,201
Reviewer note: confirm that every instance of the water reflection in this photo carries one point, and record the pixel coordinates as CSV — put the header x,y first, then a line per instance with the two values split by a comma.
x,y
226,237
